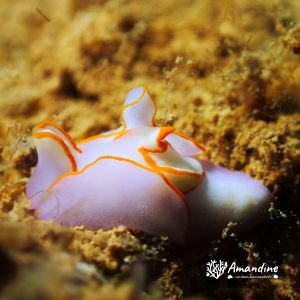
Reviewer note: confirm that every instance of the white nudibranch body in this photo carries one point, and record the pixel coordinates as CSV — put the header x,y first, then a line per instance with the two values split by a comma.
x,y
142,176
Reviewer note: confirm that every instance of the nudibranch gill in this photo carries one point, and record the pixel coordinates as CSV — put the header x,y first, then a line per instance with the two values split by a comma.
x,y
142,176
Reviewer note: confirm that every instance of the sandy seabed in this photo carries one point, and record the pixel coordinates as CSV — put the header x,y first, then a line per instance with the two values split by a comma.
x,y
223,72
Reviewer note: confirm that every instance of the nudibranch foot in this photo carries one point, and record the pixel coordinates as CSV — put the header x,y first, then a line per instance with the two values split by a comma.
x,y
139,175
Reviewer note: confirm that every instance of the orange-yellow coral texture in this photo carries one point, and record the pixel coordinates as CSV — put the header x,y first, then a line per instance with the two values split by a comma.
x,y
223,72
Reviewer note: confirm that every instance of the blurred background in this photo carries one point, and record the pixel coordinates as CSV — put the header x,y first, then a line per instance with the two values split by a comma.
x,y
223,72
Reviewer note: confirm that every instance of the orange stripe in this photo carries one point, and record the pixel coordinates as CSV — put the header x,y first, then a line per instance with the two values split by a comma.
x,y
163,132
69,138
40,135
184,201
131,104
101,135
135,101
94,162
191,189
145,90
121,134
150,161
199,146
178,192
178,172
123,130
155,109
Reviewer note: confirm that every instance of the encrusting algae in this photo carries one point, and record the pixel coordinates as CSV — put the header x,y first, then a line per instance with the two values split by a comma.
x,y
224,73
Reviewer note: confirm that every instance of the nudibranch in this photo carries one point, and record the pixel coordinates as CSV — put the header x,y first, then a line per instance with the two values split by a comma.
x,y
139,175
